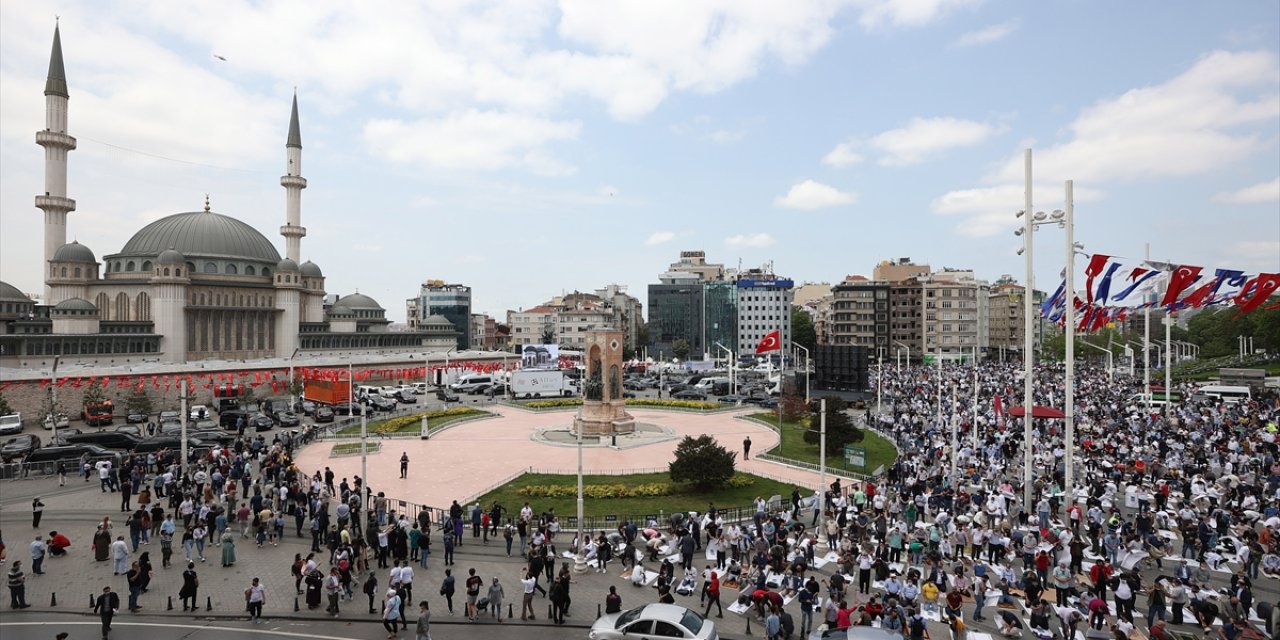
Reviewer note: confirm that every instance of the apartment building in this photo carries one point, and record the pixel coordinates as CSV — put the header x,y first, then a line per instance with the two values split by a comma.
x,y
860,315
956,310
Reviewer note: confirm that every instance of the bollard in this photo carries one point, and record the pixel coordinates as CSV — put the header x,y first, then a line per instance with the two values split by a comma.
x,y
598,613
208,603
509,610
91,601
749,614
549,616
170,607
295,603
53,599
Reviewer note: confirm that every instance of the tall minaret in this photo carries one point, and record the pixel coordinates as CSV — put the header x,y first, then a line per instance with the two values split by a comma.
x,y
56,143
293,184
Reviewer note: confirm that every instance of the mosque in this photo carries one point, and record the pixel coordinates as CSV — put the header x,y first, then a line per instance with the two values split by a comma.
x,y
191,286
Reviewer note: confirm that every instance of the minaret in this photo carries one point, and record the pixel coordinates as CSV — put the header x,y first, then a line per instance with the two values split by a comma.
x,y
293,184
56,143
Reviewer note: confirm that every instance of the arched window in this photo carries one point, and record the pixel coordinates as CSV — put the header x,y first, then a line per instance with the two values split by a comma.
x,y
191,267
266,272
146,265
122,306
250,271
53,271
230,270
77,272
103,303
143,307
117,269
210,267
177,271
166,271
64,272
128,266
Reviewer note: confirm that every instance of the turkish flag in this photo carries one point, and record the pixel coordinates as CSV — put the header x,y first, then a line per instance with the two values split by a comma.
x,y
771,342
1256,292
1181,278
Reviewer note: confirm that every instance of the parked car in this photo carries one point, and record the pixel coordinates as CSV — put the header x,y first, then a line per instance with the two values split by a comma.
x,y
347,409
406,395
198,412
198,428
11,424
653,621
106,439
322,414
71,453
170,416
262,422
169,442
306,407
379,403
60,440
62,421
689,394
231,418
131,429
19,446
288,419
444,395
730,399
136,418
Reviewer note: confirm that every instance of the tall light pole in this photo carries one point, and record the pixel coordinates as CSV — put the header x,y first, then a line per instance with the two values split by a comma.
x,y
184,417
1168,363
822,465
733,387
1028,359
806,371
293,399
879,383
1069,457
907,348
1146,337
1110,358
53,402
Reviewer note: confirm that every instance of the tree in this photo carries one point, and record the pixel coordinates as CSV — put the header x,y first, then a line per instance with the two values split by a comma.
x,y
47,407
680,349
802,331
793,404
702,462
138,400
296,387
4,406
94,392
840,427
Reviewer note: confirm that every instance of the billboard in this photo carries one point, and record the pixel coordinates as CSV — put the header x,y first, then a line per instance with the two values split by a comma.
x,y
540,356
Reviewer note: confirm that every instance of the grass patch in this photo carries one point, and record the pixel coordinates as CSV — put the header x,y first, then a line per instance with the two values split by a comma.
x,y
353,448
413,423
880,450
677,497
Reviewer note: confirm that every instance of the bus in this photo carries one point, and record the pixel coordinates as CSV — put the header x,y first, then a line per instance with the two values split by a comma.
x,y
1227,394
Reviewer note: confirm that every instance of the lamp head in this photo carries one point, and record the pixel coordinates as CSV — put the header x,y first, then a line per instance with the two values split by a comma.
x,y
1040,215
1019,231
1058,214
1021,250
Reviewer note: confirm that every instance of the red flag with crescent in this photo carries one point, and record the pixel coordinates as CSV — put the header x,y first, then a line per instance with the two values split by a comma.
x,y
772,341
1256,292
1181,278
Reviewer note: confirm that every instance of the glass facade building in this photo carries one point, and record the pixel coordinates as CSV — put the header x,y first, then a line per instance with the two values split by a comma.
x,y
453,301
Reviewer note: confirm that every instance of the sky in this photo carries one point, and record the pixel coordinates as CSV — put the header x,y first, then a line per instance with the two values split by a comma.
x,y
531,148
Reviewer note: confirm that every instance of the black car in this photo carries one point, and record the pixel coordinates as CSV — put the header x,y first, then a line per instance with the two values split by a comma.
x,y
347,409
131,429
136,418
444,395
19,446
231,419
60,440
288,419
262,422
198,428
306,407
689,394
106,439
323,414
71,453
168,442
379,403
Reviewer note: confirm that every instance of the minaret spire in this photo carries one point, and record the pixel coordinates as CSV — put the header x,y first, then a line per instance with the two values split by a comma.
x,y
293,184
57,144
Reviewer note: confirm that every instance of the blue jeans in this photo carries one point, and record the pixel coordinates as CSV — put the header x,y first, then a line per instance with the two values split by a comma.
x,y
133,596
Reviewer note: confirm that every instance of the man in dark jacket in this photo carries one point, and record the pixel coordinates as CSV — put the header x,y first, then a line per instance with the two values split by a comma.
x,y
106,606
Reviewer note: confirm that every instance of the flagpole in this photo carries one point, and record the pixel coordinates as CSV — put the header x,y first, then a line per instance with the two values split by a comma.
x,y
1146,335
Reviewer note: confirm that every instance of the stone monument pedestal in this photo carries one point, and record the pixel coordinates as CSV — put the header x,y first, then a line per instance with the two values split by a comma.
x,y
604,418
604,411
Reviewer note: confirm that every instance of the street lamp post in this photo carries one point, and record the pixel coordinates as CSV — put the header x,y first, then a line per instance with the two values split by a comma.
x,y
733,388
53,403
905,347
879,383
806,371
293,399
1069,457
1110,358
822,465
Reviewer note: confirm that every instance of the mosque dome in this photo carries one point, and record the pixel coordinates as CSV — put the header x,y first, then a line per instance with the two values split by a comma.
x,y
73,252
202,234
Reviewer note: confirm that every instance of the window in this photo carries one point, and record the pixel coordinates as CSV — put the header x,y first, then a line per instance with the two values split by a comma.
x,y
250,271
664,629
129,266
230,270
210,267
166,271
266,272
146,265
64,272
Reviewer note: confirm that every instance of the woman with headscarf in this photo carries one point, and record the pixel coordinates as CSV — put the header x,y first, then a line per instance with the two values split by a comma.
x,y
144,564
101,544
228,548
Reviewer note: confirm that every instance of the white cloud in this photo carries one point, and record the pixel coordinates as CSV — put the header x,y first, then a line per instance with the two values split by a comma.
x,y
843,155
923,138
472,140
809,194
749,240
1254,255
1261,192
723,136
987,35
907,13
1186,126
988,211
660,237
367,248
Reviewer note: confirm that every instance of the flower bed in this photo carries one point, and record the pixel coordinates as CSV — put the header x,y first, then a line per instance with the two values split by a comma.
x,y
413,422
617,490
353,449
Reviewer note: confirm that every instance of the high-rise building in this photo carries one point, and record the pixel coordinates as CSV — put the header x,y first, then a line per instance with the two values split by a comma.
x,y
764,306
956,315
906,326
860,315
452,301
1007,326
899,270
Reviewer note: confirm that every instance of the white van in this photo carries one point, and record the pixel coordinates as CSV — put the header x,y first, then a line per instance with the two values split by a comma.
x,y
469,383
707,384
1227,394
365,391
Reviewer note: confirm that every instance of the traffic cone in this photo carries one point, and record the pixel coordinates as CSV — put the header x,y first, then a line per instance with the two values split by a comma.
x,y
295,603
508,610
53,599
598,613
170,607
208,603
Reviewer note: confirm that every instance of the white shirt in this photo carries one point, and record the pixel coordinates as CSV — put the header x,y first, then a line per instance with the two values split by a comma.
x,y
406,575
395,575
257,593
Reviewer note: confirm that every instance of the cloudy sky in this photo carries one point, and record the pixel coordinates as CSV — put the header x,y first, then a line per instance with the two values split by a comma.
x,y
527,148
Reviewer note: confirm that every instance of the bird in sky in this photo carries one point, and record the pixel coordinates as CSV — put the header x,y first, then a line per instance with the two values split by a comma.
x,y
219,57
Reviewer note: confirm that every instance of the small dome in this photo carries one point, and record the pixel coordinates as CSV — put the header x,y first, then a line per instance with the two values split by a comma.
x,y
73,252
170,256
10,293
311,270
436,319
357,301
287,266
75,304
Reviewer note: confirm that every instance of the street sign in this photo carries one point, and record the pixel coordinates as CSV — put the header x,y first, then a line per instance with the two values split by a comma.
x,y
855,457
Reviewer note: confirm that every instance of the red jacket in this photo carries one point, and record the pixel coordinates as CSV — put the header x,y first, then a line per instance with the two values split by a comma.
x,y
59,542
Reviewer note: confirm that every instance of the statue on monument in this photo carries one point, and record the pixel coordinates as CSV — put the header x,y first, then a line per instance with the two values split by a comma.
x,y
593,387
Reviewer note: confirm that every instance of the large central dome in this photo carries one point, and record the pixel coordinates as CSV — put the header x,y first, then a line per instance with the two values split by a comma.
x,y
202,234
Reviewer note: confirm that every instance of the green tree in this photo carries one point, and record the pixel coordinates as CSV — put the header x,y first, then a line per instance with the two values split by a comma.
x,y
94,393
802,331
296,387
702,462
841,429
680,349
4,406
138,401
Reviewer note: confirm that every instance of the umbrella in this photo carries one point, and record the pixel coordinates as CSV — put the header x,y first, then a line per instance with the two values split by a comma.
x,y
1037,411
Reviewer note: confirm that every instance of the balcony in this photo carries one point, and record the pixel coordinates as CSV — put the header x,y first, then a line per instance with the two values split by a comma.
x,y
55,203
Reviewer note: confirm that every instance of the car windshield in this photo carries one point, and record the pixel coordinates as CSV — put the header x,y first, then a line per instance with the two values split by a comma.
x,y
628,617
692,621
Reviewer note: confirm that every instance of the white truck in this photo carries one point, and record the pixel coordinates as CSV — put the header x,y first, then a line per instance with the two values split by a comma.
x,y
11,424
540,384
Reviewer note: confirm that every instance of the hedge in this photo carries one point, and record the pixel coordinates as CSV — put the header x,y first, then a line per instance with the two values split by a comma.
x,y
411,422
607,491
696,405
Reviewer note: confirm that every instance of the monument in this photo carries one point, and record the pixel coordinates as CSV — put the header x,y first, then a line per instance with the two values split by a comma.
x,y
604,412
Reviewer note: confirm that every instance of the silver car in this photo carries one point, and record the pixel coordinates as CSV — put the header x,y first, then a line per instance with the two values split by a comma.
x,y
653,621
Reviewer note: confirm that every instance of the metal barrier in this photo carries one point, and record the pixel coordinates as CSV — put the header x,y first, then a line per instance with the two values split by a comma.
x,y
23,470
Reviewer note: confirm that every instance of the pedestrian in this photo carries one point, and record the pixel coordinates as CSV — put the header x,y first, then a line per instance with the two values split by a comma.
x,y
746,448
447,588
404,465
134,578
255,597
37,512
333,589
529,583
190,586
120,556
496,595
391,613
423,630
38,550
613,601
101,544
370,589
713,596
473,584
17,586
107,606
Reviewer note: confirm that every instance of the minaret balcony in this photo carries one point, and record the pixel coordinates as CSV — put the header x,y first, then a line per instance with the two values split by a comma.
x,y
55,203
49,138
293,181
290,230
